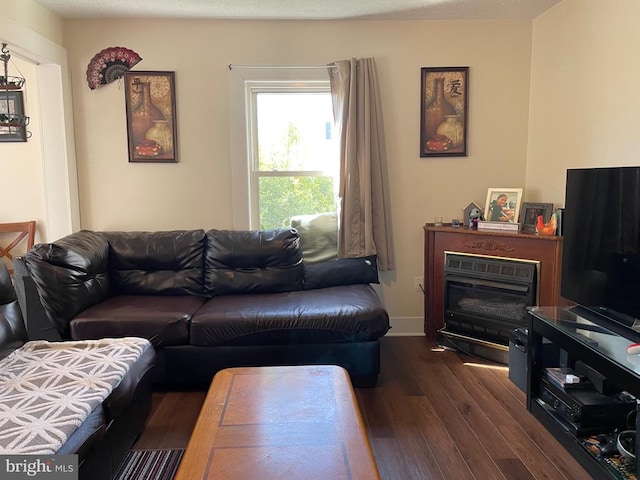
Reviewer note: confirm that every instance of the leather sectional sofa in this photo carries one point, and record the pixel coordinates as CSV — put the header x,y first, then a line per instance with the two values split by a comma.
x,y
207,300
109,430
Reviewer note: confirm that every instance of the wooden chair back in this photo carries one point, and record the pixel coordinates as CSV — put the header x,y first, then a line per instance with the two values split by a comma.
x,y
13,235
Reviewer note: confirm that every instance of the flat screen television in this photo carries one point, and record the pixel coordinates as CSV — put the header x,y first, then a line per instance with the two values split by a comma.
x,y
601,245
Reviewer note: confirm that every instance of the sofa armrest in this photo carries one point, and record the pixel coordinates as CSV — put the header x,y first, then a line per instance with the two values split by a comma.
x,y
70,275
39,327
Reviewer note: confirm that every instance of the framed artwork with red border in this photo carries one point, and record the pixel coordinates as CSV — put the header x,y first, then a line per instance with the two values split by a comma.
x,y
151,116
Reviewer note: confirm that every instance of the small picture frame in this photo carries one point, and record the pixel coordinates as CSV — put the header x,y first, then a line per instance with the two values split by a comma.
x,y
443,111
151,116
503,205
15,102
529,213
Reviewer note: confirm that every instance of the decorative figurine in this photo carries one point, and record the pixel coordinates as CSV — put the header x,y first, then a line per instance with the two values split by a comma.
x,y
466,213
548,228
474,216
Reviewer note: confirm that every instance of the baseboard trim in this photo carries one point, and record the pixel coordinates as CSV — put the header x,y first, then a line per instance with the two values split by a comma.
x,y
406,327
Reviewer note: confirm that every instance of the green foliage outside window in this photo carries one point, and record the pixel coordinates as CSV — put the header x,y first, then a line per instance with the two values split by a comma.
x,y
293,148
284,197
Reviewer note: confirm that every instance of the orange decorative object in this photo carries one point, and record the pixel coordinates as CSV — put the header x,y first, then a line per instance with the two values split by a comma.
x,y
548,228
149,148
439,143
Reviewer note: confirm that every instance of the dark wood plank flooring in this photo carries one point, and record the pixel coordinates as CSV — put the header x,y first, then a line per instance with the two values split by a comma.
x,y
434,415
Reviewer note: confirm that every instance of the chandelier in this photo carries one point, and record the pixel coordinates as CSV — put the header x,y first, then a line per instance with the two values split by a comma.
x,y
8,115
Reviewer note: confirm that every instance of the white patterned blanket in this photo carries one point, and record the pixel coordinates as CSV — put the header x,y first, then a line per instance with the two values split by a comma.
x,y
47,389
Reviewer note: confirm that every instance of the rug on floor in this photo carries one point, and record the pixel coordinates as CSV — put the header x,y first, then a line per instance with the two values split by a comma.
x,y
149,465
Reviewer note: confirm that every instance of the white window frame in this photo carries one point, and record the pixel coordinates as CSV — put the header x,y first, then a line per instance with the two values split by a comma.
x,y
243,89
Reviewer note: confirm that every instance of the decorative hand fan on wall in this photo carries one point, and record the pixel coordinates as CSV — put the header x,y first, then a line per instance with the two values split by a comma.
x,y
109,65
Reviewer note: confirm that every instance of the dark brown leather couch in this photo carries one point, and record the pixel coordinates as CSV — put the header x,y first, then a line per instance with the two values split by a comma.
x,y
110,430
207,300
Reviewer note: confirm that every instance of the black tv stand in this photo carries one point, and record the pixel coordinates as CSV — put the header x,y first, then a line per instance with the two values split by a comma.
x,y
619,323
591,341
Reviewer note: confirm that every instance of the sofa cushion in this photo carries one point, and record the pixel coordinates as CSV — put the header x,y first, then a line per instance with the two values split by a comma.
x,y
86,436
263,261
12,330
70,275
77,377
116,404
351,313
156,263
163,320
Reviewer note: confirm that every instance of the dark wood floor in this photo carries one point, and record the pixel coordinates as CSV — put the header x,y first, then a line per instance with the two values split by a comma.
x,y
434,415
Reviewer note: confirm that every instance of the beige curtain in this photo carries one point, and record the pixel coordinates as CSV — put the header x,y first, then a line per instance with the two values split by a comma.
x,y
364,220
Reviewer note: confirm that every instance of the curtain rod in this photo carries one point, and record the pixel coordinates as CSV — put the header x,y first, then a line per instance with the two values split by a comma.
x,y
231,67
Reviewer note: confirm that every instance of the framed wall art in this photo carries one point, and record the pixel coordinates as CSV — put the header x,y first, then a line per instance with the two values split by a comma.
x,y
444,111
503,205
14,101
529,213
151,116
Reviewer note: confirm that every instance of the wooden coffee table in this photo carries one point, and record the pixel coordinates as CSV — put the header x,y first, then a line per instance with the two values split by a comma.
x,y
279,423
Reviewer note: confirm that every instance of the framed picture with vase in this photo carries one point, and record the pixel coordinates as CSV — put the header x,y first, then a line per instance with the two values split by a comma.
x,y
151,116
444,96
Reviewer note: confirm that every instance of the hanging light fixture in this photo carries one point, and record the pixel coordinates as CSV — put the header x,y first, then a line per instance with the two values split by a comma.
x,y
8,117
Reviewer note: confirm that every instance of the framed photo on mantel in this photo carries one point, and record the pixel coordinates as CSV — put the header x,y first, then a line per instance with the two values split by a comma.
x,y
443,111
503,205
529,213
151,116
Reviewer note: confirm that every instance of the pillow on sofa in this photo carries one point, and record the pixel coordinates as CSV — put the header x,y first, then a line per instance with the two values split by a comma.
x,y
260,261
341,271
318,236
70,275
322,267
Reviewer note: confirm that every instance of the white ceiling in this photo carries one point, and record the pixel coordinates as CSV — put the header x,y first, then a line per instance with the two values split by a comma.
x,y
303,9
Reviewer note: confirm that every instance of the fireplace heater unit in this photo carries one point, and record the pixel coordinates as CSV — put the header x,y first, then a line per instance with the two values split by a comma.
x,y
485,301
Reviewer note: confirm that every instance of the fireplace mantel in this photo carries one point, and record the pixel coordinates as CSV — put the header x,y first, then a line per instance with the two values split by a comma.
x,y
520,246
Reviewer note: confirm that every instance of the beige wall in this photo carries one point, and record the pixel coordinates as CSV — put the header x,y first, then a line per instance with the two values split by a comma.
x,y
44,176
22,193
34,17
581,109
585,104
196,192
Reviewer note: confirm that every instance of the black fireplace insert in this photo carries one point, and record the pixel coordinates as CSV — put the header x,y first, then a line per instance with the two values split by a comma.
x,y
485,301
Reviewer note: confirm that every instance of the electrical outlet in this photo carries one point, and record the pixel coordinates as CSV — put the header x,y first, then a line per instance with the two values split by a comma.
x,y
418,284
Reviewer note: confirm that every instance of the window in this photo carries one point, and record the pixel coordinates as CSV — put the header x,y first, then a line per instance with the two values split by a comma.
x,y
292,152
